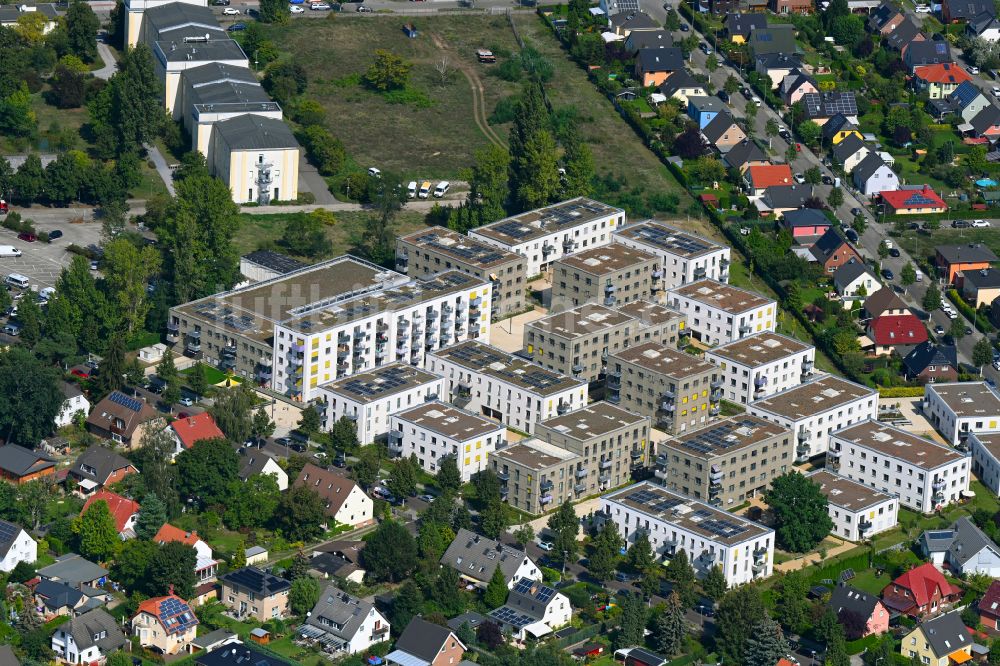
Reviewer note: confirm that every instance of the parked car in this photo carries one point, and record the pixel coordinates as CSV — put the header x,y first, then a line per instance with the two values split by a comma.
x,y
365,10
220,3
857,211
922,9
978,224
230,11
442,189
851,234
705,48
295,9
545,545
894,252
427,498
237,27
340,460
973,70
187,401
54,234
27,237
685,27
723,95
939,330
960,224
756,100
411,189
799,178
319,6
827,180
887,274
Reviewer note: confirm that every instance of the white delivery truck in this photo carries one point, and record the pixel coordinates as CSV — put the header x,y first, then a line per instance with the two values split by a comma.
x,y
9,251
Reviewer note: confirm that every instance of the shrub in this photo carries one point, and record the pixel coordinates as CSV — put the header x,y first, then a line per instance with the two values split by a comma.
x,y
901,392
325,151
503,112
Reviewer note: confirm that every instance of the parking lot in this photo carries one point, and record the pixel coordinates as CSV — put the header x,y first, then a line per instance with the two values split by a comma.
x,y
41,262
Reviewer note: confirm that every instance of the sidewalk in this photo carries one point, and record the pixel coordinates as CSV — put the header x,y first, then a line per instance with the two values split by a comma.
x,y
815,558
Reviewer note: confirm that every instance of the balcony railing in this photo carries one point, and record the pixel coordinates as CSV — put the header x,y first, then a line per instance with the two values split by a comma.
x,y
579,488
581,473
605,464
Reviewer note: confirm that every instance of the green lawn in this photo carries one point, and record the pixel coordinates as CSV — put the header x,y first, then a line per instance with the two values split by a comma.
x,y
58,129
923,244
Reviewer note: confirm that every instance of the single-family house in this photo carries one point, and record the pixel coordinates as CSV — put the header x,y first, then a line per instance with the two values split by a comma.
x,y
16,546
980,287
920,592
963,548
756,179
970,100
774,38
252,592
795,85
191,429
75,571
344,623
986,123
929,362
777,66
476,557
703,109
55,598
648,39
329,565
97,468
744,155
806,224
941,641
838,128
532,609
952,259
75,402
123,510
166,625
791,6
653,66
872,176
886,333
720,7
20,465
913,200
885,19
833,251
927,52
821,107
722,133
989,607
255,462
780,199
739,25
206,565
123,419
939,109
939,80
681,85
88,638
984,26
850,152
860,613
953,11
906,33
884,302
346,503
424,643
624,23
853,281
238,654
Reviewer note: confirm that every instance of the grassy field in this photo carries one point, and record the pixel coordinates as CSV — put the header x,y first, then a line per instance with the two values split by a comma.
x,y
923,244
58,130
263,231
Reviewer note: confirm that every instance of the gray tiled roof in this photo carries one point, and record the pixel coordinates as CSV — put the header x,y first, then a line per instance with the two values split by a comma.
x,y
180,14
970,252
848,273
92,623
216,71
344,612
476,556
848,147
670,59
962,542
423,639
946,633
744,152
21,461
102,460
678,80
718,126
867,167
850,599
904,34
73,570
252,132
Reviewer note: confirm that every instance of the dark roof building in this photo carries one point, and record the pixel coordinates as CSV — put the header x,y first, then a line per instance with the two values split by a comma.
x,y
742,24
679,80
648,39
423,641
970,253
20,465
777,38
93,628
930,361
744,153
99,466
668,59
636,20
476,557
830,104
905,34
966,10
236,654
847,599
253,132
927,52
252,579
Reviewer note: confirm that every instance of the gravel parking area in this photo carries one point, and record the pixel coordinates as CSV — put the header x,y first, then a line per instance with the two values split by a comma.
x,y
43,262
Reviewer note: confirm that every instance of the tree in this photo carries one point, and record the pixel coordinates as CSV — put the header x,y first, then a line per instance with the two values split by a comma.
x,y
29,315
800,512
343,435
407,603
285,80
448,478
443,592
766,644
127,271
847,30
98,533
402,480
111,375
539,172
387,72
579,164
957,328
17,118
253,503
300,513
30,397
633,622
172,564
299,568
238,560
310,421
305,235
604,557
391,553
524,535
82,25
206,470
836,198
303,595
731,85
932,298
232,410
688,144
809,132
828,627
994,656
487,486
714,584
908,274
325,151
740,610
274,11
671,627
496,591
489,634
640,555
792,605
680,572
433,538
791,153
860,223
379,234
365,471
261,425
466,634
883,250
564,525
982,353
488,186
493,519
152,516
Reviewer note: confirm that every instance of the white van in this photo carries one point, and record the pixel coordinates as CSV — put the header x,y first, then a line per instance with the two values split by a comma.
x,y
920,276
411,189
18,280
441,189
9,251
46,293
425,189
12,329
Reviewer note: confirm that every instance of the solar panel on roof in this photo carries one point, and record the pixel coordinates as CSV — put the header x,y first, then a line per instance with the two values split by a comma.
x,y
722,527
125,401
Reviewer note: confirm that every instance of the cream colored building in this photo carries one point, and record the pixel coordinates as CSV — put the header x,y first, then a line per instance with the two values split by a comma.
x,y
137,8
165,624
173,56
258,157
176,21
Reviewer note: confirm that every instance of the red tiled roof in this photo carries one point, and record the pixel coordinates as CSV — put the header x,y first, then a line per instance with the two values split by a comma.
x,y
897,330
942,73
990,603
923,198
121,508
169,533
196,428
173,613
922,581
769,175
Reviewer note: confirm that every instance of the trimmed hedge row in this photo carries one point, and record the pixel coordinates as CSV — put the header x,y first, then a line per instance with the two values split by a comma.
x,y
981,323
901,392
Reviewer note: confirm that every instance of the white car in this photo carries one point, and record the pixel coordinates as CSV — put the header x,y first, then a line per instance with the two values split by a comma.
x,y
756,100
231,11
922,9
996,91
799,178
374,173
545,545
442,189
973,70
295,9
411,189
980,223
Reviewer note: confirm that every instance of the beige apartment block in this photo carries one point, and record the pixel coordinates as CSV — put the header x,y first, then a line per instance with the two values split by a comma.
x,y
611,275
680,392
536,476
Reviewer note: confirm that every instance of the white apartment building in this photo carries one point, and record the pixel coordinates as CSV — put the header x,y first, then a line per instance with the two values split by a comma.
x,y
684,257
171,57
718,313
519,393
546,234
960,408
370,398
857,511
137,9
16,546
708,536
924,475
815,409
436,429
985,451
761,365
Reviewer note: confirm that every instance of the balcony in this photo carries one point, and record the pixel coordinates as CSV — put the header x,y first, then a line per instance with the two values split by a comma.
x,y
447,309
380,352
613,395
614,379
547,249
864,525
581,473
714,411
802,451
609,301
579,488
545,499
662,459
667,406
562,408
745,329
503,492
716,384
604,478
700,273
938,485
577,369
263,374
432,327
657,274
661,474
545,485
295,361
715,395
665,423
636,453
807,365
568,245
173,330
418,331
395,441
805,434
343,338
503,475
758,567
298,349
715,475
606,463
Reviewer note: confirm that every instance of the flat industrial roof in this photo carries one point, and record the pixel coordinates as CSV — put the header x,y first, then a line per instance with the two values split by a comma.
x,y
670,239
649,312
583,320
662,359
847,494
688,514
721,296
968,398
552,219
723,437
383,381
607,259
461,248
759,349
450,421
595,420
820,395
534,454
895,443
486,360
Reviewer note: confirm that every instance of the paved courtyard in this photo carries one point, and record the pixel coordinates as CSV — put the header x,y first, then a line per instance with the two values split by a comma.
x,y
40,262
